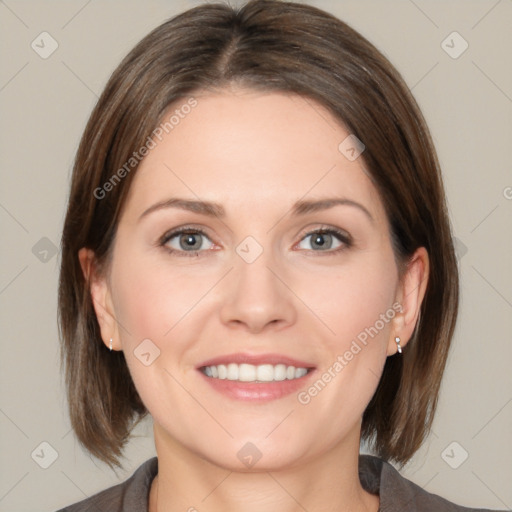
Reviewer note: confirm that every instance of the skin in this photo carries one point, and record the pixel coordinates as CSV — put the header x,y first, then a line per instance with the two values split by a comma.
x,y
255,154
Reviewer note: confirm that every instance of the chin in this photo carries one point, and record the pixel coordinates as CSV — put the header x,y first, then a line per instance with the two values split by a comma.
x,y
253,455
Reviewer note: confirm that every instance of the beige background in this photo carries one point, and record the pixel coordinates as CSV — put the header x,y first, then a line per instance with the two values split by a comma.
x,y
45,104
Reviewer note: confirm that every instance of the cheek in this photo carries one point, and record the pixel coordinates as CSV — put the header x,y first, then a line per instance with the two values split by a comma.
x,y
357,308
163,303
155,306
151,299
355,298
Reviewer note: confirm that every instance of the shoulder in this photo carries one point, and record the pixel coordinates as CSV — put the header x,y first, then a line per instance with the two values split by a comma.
x,y
398,493
129,496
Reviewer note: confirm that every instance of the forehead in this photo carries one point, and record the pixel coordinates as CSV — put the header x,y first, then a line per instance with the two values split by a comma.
x,y
251,150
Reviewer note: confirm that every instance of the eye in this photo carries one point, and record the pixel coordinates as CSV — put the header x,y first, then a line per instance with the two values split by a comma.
x,y
328,240
189,241
186,241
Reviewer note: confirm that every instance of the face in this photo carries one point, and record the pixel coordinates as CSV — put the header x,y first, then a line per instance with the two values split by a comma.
x,y
258,282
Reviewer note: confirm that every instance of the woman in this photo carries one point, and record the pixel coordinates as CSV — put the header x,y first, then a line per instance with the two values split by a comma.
x,y
257,253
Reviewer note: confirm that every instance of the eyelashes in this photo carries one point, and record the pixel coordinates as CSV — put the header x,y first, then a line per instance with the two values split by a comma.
x,y
190,232
319,235
191,236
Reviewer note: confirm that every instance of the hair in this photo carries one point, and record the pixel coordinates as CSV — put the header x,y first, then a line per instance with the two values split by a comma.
x,y
265,45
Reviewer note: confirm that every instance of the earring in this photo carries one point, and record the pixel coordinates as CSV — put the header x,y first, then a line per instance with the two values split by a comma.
x,y
399,348
110,345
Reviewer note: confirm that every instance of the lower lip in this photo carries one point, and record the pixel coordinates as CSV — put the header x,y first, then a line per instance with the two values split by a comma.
x,y
257,391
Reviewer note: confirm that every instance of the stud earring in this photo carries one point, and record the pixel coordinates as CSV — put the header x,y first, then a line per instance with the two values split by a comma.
x,y
110,345
399,348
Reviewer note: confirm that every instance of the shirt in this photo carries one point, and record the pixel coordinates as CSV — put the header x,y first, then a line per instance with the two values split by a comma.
x,y
396,493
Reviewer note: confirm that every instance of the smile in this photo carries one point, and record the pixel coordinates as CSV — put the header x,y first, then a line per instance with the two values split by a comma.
x,y
252,373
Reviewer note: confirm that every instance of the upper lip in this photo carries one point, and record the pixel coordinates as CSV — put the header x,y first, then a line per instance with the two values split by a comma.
x,y
256,359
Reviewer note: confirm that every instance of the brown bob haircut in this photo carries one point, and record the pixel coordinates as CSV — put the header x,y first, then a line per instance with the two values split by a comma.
x,y
265,45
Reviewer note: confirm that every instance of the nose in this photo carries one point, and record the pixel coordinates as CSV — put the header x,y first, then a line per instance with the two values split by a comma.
x,y
257,296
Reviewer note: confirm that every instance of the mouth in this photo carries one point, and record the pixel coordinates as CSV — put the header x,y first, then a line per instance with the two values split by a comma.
x,y
255,368
251,373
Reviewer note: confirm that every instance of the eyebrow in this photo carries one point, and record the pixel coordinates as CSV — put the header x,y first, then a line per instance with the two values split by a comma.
x,y
211,209
305,207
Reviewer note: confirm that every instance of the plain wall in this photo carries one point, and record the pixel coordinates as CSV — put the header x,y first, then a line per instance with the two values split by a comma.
x,y
45,103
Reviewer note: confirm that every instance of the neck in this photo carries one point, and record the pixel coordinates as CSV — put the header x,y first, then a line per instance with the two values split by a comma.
x,y
187,482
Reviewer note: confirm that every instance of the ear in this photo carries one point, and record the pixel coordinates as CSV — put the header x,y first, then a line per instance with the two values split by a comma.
x,y
101,298
410,293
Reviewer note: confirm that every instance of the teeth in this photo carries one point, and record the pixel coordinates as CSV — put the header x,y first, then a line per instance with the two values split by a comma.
x,y
250,373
